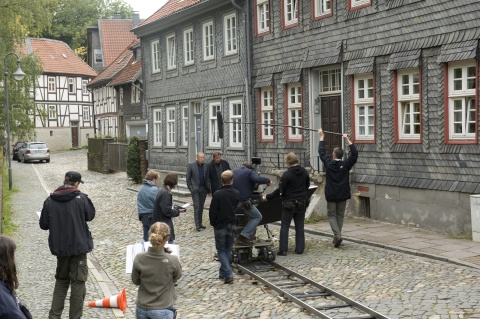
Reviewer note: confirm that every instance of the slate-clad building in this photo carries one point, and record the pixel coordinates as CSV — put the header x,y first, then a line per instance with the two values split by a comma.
x,y
194,65
399,76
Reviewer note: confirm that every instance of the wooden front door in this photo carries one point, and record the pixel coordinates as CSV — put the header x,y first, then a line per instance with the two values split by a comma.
x,y
332,121
74,128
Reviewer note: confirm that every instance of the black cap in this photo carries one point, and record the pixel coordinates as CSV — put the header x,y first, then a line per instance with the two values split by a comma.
x,y
74,177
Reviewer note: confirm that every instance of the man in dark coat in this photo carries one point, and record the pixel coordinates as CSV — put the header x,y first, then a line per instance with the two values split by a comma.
x,y
293,187
216,167
337,186
198,182
65,214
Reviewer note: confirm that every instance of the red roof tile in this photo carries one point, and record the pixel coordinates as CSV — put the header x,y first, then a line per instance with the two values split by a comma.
x,y
129,73
115,36
57,57
114,69
171,7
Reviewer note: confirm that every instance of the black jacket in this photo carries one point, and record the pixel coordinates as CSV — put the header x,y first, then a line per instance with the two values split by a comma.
x,y
337,186
223,206
293,184
215,181
65,213
163,211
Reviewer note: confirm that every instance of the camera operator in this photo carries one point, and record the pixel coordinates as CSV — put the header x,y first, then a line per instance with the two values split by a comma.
x,y
293,187
244,181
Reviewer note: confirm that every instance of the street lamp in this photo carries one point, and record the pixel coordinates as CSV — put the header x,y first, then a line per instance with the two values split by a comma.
x,y
18,75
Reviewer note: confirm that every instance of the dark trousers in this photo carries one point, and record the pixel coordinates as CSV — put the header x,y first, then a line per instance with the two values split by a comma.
x,y
146,222
72,271
224,244
298,216
198,199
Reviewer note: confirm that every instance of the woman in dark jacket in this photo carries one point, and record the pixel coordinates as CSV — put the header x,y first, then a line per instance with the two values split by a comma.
x,y
9,307
164,209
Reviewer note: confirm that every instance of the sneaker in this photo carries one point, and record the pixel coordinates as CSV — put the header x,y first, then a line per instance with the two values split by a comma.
x,y
242,240
337,242
228,280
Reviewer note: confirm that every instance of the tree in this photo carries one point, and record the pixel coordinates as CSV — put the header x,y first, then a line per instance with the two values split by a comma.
x,y
133,160
72,17
20,18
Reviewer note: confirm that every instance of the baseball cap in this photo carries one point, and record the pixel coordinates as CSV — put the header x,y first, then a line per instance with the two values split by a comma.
x,y
74,177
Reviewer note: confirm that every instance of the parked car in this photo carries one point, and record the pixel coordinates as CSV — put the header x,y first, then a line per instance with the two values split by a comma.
x,y
16,147
33,151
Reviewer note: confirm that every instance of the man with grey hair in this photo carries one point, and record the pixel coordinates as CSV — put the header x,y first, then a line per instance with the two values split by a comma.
x,y
198,182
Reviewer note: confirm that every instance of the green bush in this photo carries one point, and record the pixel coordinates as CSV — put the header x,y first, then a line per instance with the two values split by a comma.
x,y
133,160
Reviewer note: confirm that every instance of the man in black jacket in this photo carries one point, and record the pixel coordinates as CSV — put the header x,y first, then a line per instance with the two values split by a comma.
x,y
337,186
222,218
292,187
216,167
65,214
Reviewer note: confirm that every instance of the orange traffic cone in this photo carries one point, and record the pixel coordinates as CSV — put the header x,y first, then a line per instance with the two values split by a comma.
x,y
118,301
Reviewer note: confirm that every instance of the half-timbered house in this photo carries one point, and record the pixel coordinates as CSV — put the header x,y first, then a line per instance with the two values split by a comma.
x,y
63,115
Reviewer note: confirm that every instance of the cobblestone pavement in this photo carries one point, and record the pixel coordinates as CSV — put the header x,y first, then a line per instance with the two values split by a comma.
x,y
393,283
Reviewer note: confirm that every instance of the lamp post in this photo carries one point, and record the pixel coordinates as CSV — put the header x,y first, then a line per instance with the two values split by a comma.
x,y
18,75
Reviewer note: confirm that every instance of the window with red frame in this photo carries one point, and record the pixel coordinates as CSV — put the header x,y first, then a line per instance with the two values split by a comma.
x,y
294,111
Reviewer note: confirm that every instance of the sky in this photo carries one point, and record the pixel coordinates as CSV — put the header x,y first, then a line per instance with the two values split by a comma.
x,y
146,7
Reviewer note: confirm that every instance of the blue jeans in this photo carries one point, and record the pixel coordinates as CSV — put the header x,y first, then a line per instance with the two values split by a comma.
x,y
153,314
254,218
146,222
224,243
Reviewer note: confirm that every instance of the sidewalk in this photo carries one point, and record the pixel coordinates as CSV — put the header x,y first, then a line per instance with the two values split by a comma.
x,y
414,241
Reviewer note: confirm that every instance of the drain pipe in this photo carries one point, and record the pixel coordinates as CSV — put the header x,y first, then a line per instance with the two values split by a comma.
x,y
248,77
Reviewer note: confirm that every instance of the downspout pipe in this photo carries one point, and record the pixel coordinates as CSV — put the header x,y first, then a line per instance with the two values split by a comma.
x,y
248,76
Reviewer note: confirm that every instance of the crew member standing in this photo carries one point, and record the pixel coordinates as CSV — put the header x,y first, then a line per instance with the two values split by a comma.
x,y
337,185
216,167
198,182
146,201
65,214
292,187
245,180
222,218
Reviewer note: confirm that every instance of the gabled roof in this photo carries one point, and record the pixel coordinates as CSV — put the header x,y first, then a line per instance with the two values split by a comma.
x,y
115,36
57,57
171,7
115,68
129,74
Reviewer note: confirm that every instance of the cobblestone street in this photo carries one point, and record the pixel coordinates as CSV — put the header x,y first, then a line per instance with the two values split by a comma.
x,y
395,284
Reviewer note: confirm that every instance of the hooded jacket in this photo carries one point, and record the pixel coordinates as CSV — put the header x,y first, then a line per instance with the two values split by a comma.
x,y
337,186
65,213
293,184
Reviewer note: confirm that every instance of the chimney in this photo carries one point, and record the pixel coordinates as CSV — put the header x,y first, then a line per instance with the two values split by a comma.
x,y
135,18
117,15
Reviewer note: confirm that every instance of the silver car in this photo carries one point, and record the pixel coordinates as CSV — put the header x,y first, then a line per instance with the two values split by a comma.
x,y
33,151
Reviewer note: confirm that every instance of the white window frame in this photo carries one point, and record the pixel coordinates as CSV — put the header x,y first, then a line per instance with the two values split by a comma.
x,y
157,127
333,78
235,128
321,9
290,12
51,85
155,54
188,47
86,113
170,126
213,139
266,110
120,96
71,85
230,33
185,127
408,108
263,16
133,93
171,53
463,97
364,107
294,110
208,41
52,112
359,3
84,87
